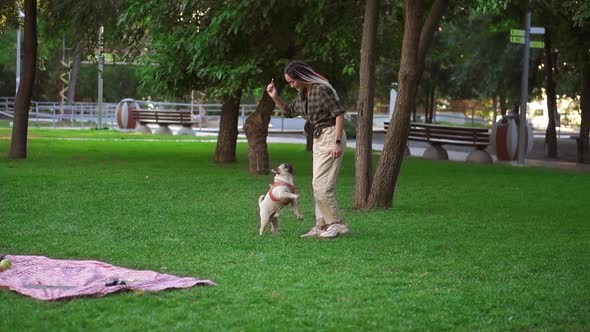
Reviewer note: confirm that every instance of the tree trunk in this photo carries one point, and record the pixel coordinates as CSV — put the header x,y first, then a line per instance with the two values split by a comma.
x,y
256,129
516,111
495,108
550,134
389,165
429,111
364,136
503,106
583,146
417,39
431,103
225,152
75,68
18,143
426,88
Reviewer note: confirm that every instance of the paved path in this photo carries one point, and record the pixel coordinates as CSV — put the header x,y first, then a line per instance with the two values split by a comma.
x,y
566,148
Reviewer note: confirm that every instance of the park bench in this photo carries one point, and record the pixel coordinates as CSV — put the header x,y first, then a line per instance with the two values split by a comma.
x,y
164,118
439,135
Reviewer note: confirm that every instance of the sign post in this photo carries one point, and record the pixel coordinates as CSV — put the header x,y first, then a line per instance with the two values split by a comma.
x,y
524,37
17,60
100,72
517,37
524,89
18,51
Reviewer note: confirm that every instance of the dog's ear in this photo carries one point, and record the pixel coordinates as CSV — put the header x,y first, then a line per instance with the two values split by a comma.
x,y
289,168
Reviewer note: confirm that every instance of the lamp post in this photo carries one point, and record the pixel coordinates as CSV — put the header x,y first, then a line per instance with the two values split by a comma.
x,y
18,60
524,90
100,76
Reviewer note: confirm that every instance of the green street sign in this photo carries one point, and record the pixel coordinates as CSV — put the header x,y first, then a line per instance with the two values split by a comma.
x,y
532,44
517,32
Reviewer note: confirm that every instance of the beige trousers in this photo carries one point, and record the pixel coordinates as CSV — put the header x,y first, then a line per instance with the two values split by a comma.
x,y
325,172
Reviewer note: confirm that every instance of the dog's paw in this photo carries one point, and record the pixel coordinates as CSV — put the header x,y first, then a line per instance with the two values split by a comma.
x,y
299,216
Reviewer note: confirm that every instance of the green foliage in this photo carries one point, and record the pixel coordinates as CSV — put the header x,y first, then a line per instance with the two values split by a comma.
x,y
119,82
567,23
492,6
482,63
350,128
243,44
8,64
9,15
389,44
80,22
468,247
577,12
219,47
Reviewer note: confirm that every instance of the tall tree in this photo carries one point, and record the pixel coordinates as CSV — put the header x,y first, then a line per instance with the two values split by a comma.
x,y
305,19
9,20
196,47
480,64
550,133
225,151
570,35
364,137
221,47
417,39
256,130
74,70
79,23
18,143
581,20
583,140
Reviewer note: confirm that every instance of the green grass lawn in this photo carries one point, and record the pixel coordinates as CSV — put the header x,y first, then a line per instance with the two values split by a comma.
x,y
466,247
90,134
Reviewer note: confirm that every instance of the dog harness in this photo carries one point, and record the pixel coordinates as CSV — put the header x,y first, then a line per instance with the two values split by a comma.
x,y
278,184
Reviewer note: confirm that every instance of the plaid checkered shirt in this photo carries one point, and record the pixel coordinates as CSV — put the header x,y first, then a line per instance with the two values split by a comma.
x,y
322,106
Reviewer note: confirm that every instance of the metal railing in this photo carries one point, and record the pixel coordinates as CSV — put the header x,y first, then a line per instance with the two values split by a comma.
x,y
205,116
84,114
6,106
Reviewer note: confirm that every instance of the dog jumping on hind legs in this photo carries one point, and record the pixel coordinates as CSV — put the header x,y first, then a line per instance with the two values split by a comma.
x,y
281,193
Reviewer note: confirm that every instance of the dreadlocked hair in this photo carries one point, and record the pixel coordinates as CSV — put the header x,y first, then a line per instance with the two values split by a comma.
x,y
301,71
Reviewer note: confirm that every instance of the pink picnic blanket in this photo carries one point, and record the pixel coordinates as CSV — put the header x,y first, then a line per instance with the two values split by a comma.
x,y
53,279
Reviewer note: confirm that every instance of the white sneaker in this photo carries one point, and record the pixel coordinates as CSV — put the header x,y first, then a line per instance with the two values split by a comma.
x,y
315,231
334,230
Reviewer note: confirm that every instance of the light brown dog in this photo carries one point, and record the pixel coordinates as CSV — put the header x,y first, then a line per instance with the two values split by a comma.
x,y
281,193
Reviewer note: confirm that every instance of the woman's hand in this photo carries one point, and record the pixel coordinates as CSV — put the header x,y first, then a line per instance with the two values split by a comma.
x,y
336,151
270,89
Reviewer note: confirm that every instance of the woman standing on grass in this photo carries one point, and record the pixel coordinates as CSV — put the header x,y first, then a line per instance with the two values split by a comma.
x,y
317,102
